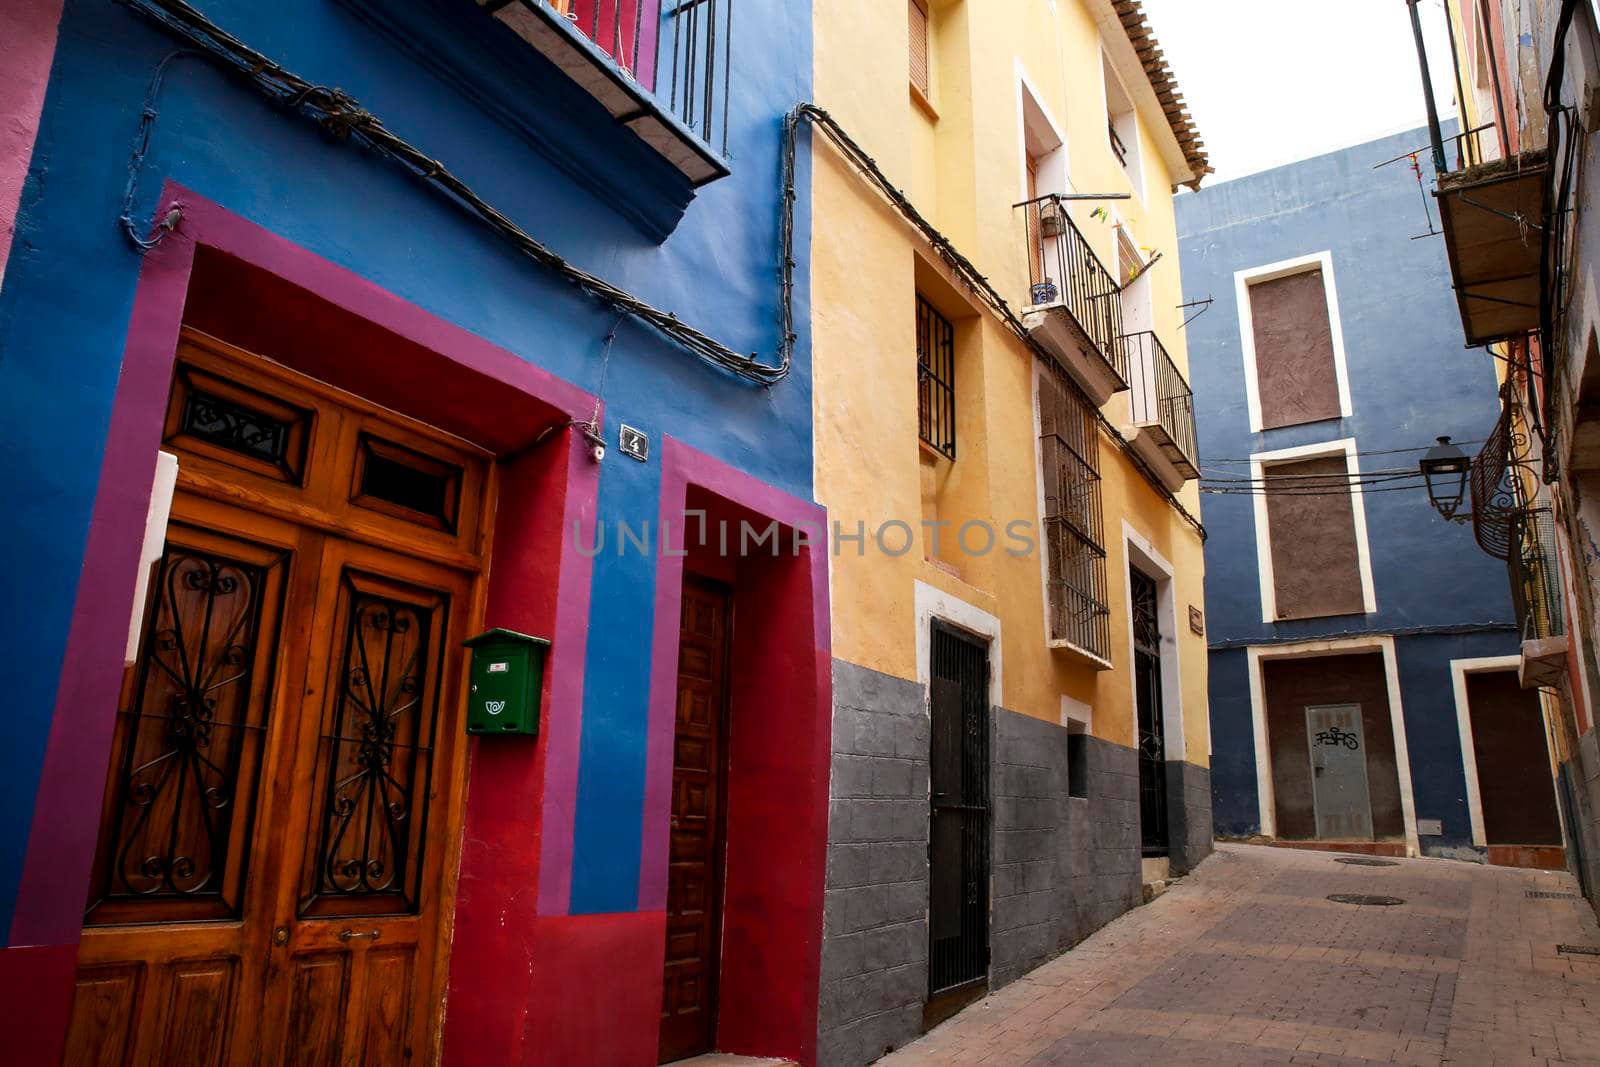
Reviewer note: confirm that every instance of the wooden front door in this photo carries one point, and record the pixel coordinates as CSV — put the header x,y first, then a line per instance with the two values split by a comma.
x,y
694,873
1516,781
280,821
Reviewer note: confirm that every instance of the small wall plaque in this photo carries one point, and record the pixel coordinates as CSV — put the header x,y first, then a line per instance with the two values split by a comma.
x,y
633,443
1197,620
1430,827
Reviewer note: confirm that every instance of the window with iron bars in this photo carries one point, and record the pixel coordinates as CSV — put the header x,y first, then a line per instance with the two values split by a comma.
x,y
1074,537
936,379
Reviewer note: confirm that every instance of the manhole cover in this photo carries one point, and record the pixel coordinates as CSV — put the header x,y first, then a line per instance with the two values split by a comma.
x,y
1366,861
1579,950
1364,898
1544,894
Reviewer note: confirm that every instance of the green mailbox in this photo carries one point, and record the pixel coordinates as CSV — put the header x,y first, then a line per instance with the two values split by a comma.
x,y
507,678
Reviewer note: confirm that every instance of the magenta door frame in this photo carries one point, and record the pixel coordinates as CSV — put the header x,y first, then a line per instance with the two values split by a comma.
x,y
532,566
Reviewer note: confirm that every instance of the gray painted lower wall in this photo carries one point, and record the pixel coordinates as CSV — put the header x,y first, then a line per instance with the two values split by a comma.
x,y
875,929
1188,815
1062,866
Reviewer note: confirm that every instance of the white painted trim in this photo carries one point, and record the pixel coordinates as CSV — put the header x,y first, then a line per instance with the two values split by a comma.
x,y
1259,461
1026,85
1459,669
1242,280
932,603
1075,714
1139,552
1383,643
1134,169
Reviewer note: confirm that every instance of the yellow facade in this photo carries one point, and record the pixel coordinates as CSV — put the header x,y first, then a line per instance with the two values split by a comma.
x,y
959,155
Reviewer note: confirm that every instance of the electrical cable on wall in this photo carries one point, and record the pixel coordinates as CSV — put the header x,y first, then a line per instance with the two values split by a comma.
x,y
979,285
343,117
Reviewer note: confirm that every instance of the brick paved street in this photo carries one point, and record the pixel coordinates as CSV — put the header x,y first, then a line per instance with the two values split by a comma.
x,y
1247,962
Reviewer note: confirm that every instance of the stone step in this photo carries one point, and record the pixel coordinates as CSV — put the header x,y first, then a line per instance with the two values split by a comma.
x,y
723,1059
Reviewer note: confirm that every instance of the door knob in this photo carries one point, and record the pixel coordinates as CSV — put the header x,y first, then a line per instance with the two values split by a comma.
x,y
280,936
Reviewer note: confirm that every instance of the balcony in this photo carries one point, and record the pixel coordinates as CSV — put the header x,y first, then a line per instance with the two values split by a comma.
x,y
1074,307
661,73
627,98
1161,409
1493,216
1537,600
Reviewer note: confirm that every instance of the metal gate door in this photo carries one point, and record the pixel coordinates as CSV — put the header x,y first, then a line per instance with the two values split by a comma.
x,y
958,834
1339,772
1152,719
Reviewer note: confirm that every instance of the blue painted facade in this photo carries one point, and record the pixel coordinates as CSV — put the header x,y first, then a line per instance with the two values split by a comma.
x,y
1410,381
524,141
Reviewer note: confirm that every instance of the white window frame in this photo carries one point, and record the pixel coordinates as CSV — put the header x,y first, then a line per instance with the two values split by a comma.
x,y
1134,168
933,603
1137,551
1259,462
1459,669
1266,798
1242,280
1058,157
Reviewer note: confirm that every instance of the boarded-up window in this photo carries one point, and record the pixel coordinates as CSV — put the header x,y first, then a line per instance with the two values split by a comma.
x,y
1316,567
917,16
1295,376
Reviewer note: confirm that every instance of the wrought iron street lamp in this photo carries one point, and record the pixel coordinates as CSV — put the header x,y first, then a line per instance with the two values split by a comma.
x,y
1445,467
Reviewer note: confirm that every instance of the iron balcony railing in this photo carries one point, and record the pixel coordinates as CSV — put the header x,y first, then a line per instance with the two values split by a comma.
x,y
678,52
1159,394
1064,271
1536,577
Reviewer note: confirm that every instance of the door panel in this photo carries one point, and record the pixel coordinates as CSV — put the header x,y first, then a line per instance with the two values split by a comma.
x,y
197,1015
186,754
104,1009
319,985
694,871
358,900
1151,714
1513,761
283,797
1339,772
958,832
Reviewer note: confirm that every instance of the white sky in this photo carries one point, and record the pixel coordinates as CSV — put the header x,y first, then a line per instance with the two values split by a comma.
x,y
1274,81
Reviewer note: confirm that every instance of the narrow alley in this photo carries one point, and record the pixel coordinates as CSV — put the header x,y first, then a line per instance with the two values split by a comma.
x,y
1247,961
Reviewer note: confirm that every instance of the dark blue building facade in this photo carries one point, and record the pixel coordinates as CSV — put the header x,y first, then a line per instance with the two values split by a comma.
x,y
505,231
1427,611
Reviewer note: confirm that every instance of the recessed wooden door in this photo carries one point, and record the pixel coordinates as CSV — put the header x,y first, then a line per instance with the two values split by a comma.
x,y
278,830
694,873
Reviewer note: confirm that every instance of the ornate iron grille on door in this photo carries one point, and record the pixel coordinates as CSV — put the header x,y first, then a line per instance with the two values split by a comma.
x,y
378,759
958,839
1152,724
186,755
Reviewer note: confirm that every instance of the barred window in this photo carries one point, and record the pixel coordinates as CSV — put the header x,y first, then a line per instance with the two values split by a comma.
x,y
1074,537
936,379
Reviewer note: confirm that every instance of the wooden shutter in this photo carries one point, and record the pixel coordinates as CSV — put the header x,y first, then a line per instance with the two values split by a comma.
x,y
1295,375
1316,563
917,19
